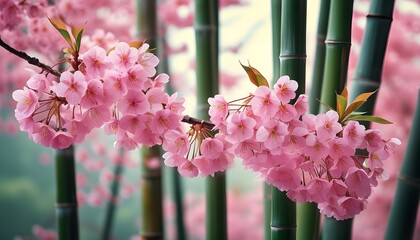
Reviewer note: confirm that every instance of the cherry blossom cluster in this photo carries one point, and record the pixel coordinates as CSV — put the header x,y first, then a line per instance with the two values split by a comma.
x,y
313,158
117,90
196,152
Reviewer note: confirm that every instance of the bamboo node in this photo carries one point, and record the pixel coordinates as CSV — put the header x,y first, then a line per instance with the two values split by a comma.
x,y
332,41
65,205
293,56
205,28
379,16
281,228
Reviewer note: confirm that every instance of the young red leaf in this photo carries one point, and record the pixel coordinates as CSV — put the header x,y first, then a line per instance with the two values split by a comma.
x,y
136,44
364,96
62,29
255,76
345,94
77,34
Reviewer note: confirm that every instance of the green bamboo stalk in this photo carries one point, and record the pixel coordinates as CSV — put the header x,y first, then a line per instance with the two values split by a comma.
x,y
206,36
369,68
176,181
66,201
151,196
275,29
151,182
112,202
292,63
402,220
320,50
335,74
308,216
337,51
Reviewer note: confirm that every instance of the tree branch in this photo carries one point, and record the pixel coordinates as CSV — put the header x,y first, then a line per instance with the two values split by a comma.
x,y
31,60
36,62
191,120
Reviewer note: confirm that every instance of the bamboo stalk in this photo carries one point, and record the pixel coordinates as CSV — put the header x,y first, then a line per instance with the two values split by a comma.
x,y
112,202
176,181
369,68
335,74
206,36
402,220
320,51
308,216
151,178
337,50
275,29
292,63
66,201
151,196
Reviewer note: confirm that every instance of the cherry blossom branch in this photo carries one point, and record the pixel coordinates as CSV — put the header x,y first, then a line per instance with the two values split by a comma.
x,y
45,67
31,60
191,120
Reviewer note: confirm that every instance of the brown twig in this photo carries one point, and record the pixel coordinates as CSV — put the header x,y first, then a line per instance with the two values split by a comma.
x,y
191,120
29,59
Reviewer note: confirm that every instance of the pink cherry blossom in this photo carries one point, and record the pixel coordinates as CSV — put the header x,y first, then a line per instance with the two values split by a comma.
x,y
72,86
94,95
175,142
164,120
27,102
123,56
218,110
173,160
211,148
285,89
327,125
96,62
188,169
354,133
264,102
240,127
272,134
134,102
358,182
62,140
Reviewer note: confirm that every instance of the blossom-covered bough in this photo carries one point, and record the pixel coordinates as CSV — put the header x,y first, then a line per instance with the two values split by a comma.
x,y
329,158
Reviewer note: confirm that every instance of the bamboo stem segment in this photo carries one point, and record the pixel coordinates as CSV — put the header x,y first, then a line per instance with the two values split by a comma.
x,y
337,51
151,177
66,199
292,63
335,75
113,201
275,29
151,196
206,36
402,219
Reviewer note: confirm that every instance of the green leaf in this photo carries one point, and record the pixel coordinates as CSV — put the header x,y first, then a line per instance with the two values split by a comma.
x,y
352,114
62,29
341,105
369,118
353,107
255,76
77,34
326,105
